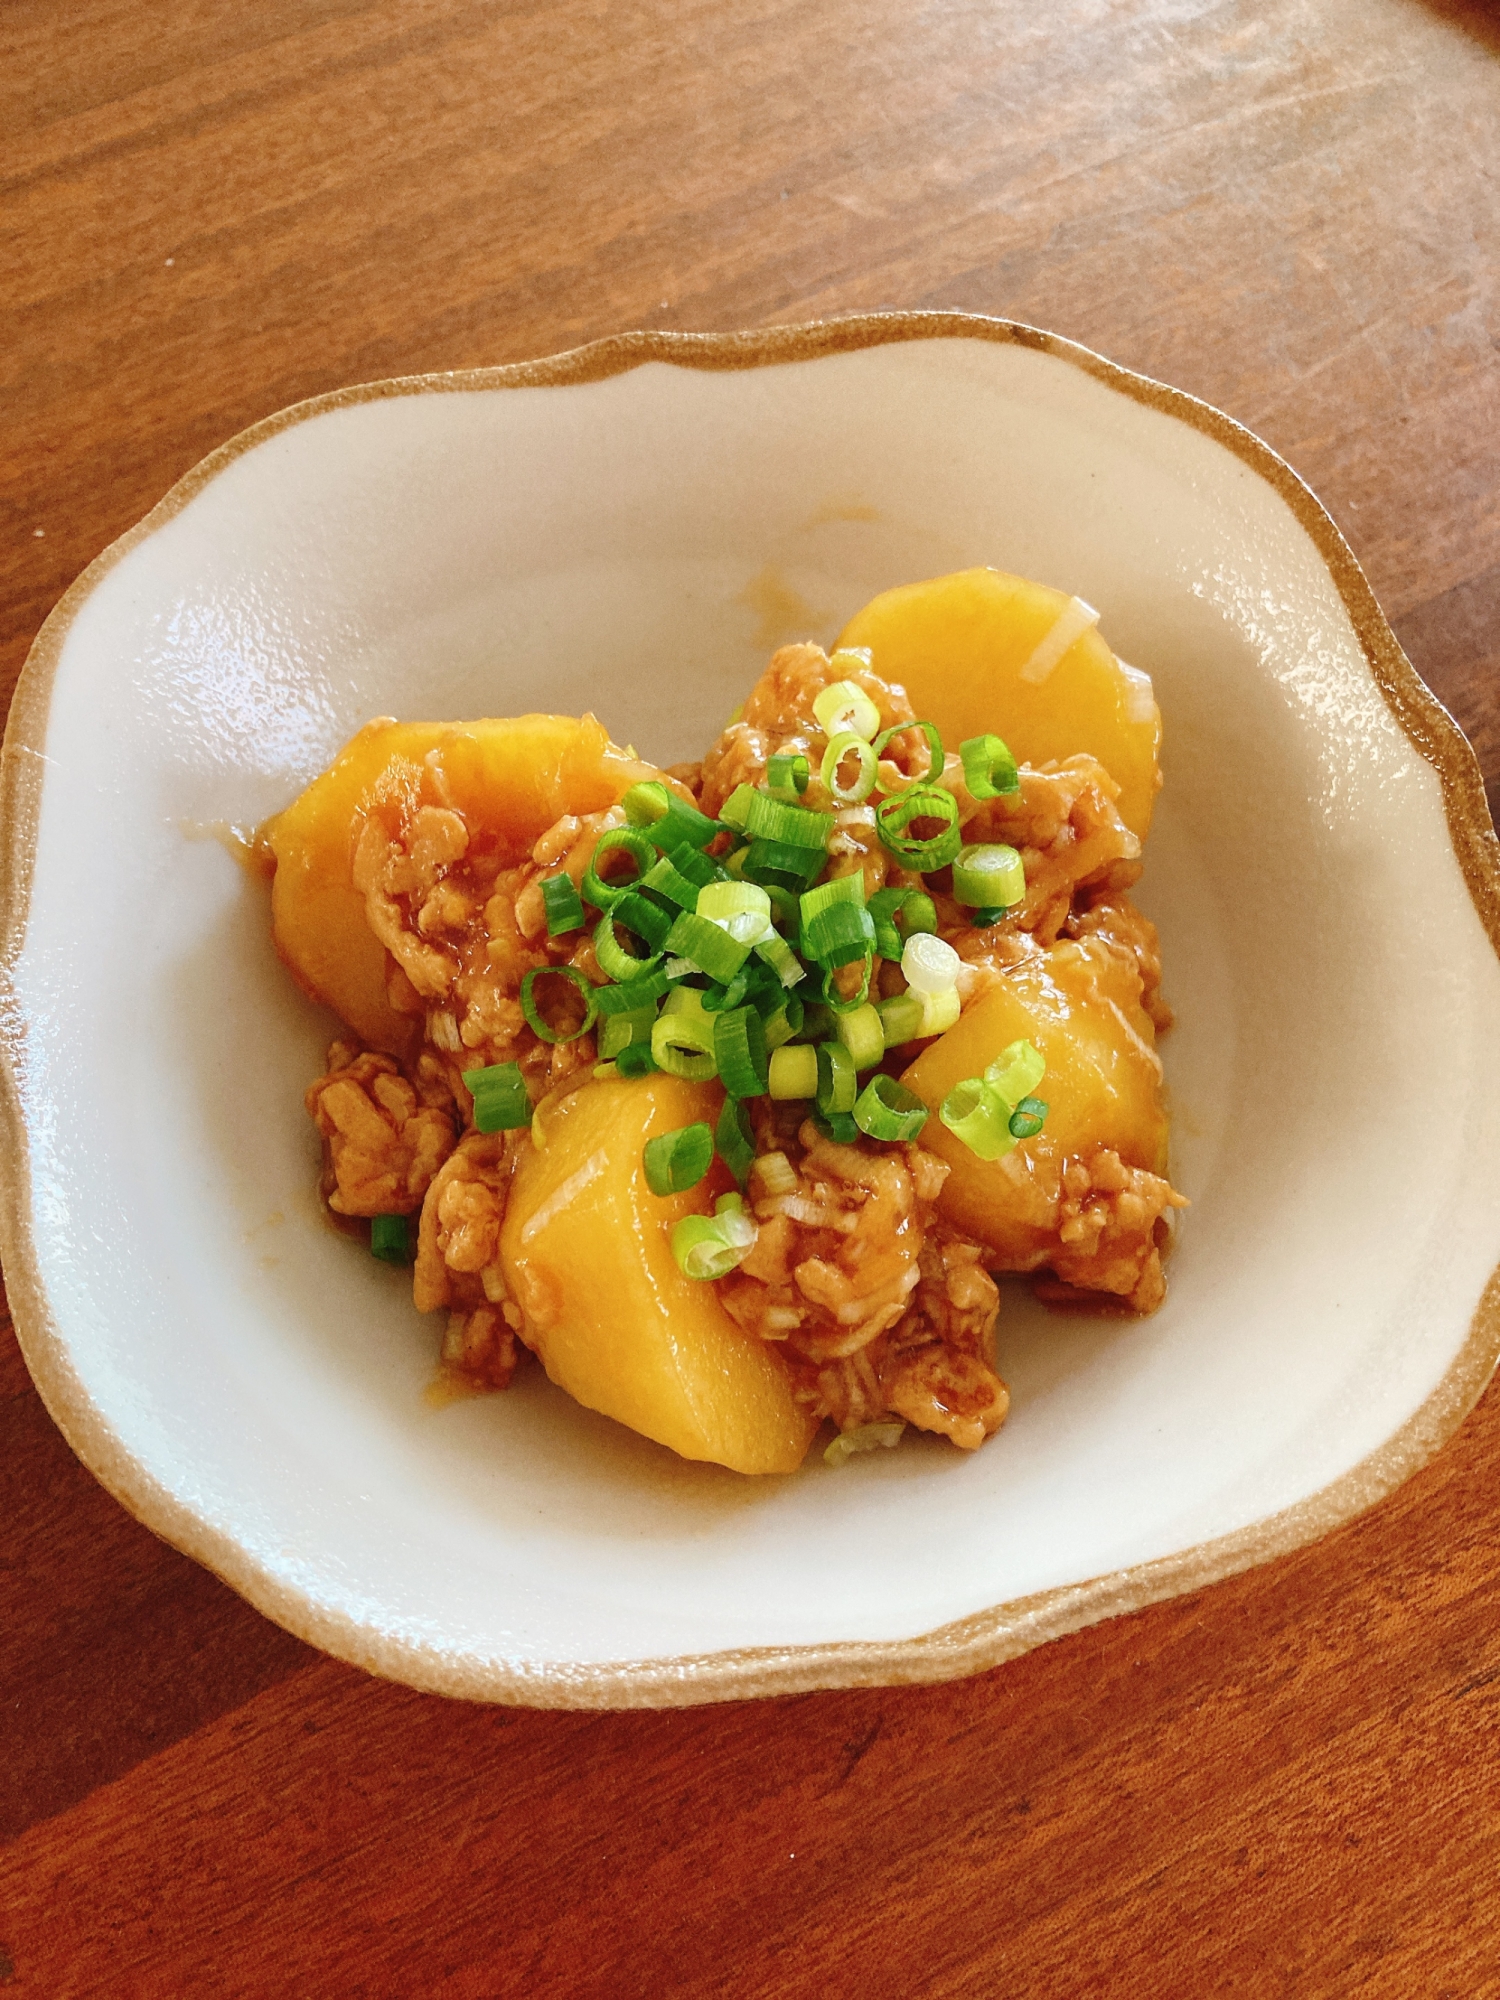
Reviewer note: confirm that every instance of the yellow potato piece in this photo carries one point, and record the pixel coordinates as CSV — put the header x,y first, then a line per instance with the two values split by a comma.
x,y
511,779
1081,1008
587,1250
958,644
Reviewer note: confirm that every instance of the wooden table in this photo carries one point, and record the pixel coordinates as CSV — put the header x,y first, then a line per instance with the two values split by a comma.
x,y
1284,1785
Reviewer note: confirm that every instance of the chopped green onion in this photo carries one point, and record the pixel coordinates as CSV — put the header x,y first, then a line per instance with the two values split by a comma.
x,y
635,1059
618,1031
734,1142
763,818
775,1174
1016,1072
864,1437
818,1021
615,962
839,935
989,876
541,1028
975,1112
1028,1118
834,995
775,952
848,888
922,802
619,840
838,1086
390,1239
707,947
501,1103
787,776
778,864
930,964
667,879
989,768
844,709
743,909
837,1125
676,1161
939,1012
740,1052
717,999
843,747
862,1034
669,822
898,914
887,1110
642,989
793,1071
783,1022
682,1041
935,758
901,1019
710,1246
560,899
982,919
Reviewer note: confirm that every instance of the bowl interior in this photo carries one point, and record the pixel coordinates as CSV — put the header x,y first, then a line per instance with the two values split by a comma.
x,y
636,545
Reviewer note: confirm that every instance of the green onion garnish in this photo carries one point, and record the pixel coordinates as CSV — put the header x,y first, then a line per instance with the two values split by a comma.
x,y
783,1021
887,1110
935,758
848,888
839,935
682,1039
989,876
930,964
707,947
839,751
1028,1118
501,1103
793,1072
922,802
834,996
642,989
740,1052
668,821
901,1019
838,1086
743,909
982,919
844,709
676,1161
710,1246
778,864
975,1112
989,768
734,1141
534,1020
615,962
787,776
863,1035
619,840
390,1239
564,911
718,999
775,952
666,879
618,1031
761,817
898,914
1016,1072
837,1125
635,1059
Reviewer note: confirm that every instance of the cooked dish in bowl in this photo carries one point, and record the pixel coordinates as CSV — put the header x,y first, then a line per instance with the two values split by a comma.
x,y
724,1089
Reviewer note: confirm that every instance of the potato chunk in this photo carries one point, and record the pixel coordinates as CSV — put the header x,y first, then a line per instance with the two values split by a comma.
x,y
958,645
511,779
587,1254
1080,1004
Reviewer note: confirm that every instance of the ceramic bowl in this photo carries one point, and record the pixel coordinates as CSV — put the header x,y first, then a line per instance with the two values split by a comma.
x,y
630,528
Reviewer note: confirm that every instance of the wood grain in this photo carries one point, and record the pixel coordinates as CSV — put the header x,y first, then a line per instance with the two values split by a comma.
x,y
1285,1785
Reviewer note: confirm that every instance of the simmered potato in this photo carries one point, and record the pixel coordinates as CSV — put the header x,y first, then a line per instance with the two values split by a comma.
x,y
958,644
587,1253
513,778
1082,1010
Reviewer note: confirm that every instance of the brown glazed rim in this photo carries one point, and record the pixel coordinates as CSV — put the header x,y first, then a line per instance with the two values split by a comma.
x,y
971,1644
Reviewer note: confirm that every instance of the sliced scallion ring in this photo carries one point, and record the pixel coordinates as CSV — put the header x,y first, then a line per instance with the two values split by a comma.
x,y
390,1239
740,1052
840,934
838,1125
930,964
619,840
844,709
642,989
841,748
793,1072
1016,1072
539,1026
778,864
501,1103
787,776
710,1246
923,802
887,1110
635,1059
775,952
989,768
618,1031
899,914
833,993
560,900
761,817
668,821
784,1021
734,1141
863,1035
677,1161
974,1112
682,1040
935,757
1028,1118
615,962
988,875
710,949
838,1085
901,1019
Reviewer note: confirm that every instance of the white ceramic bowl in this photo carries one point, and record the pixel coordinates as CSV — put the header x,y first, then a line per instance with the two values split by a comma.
x,y
630,528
